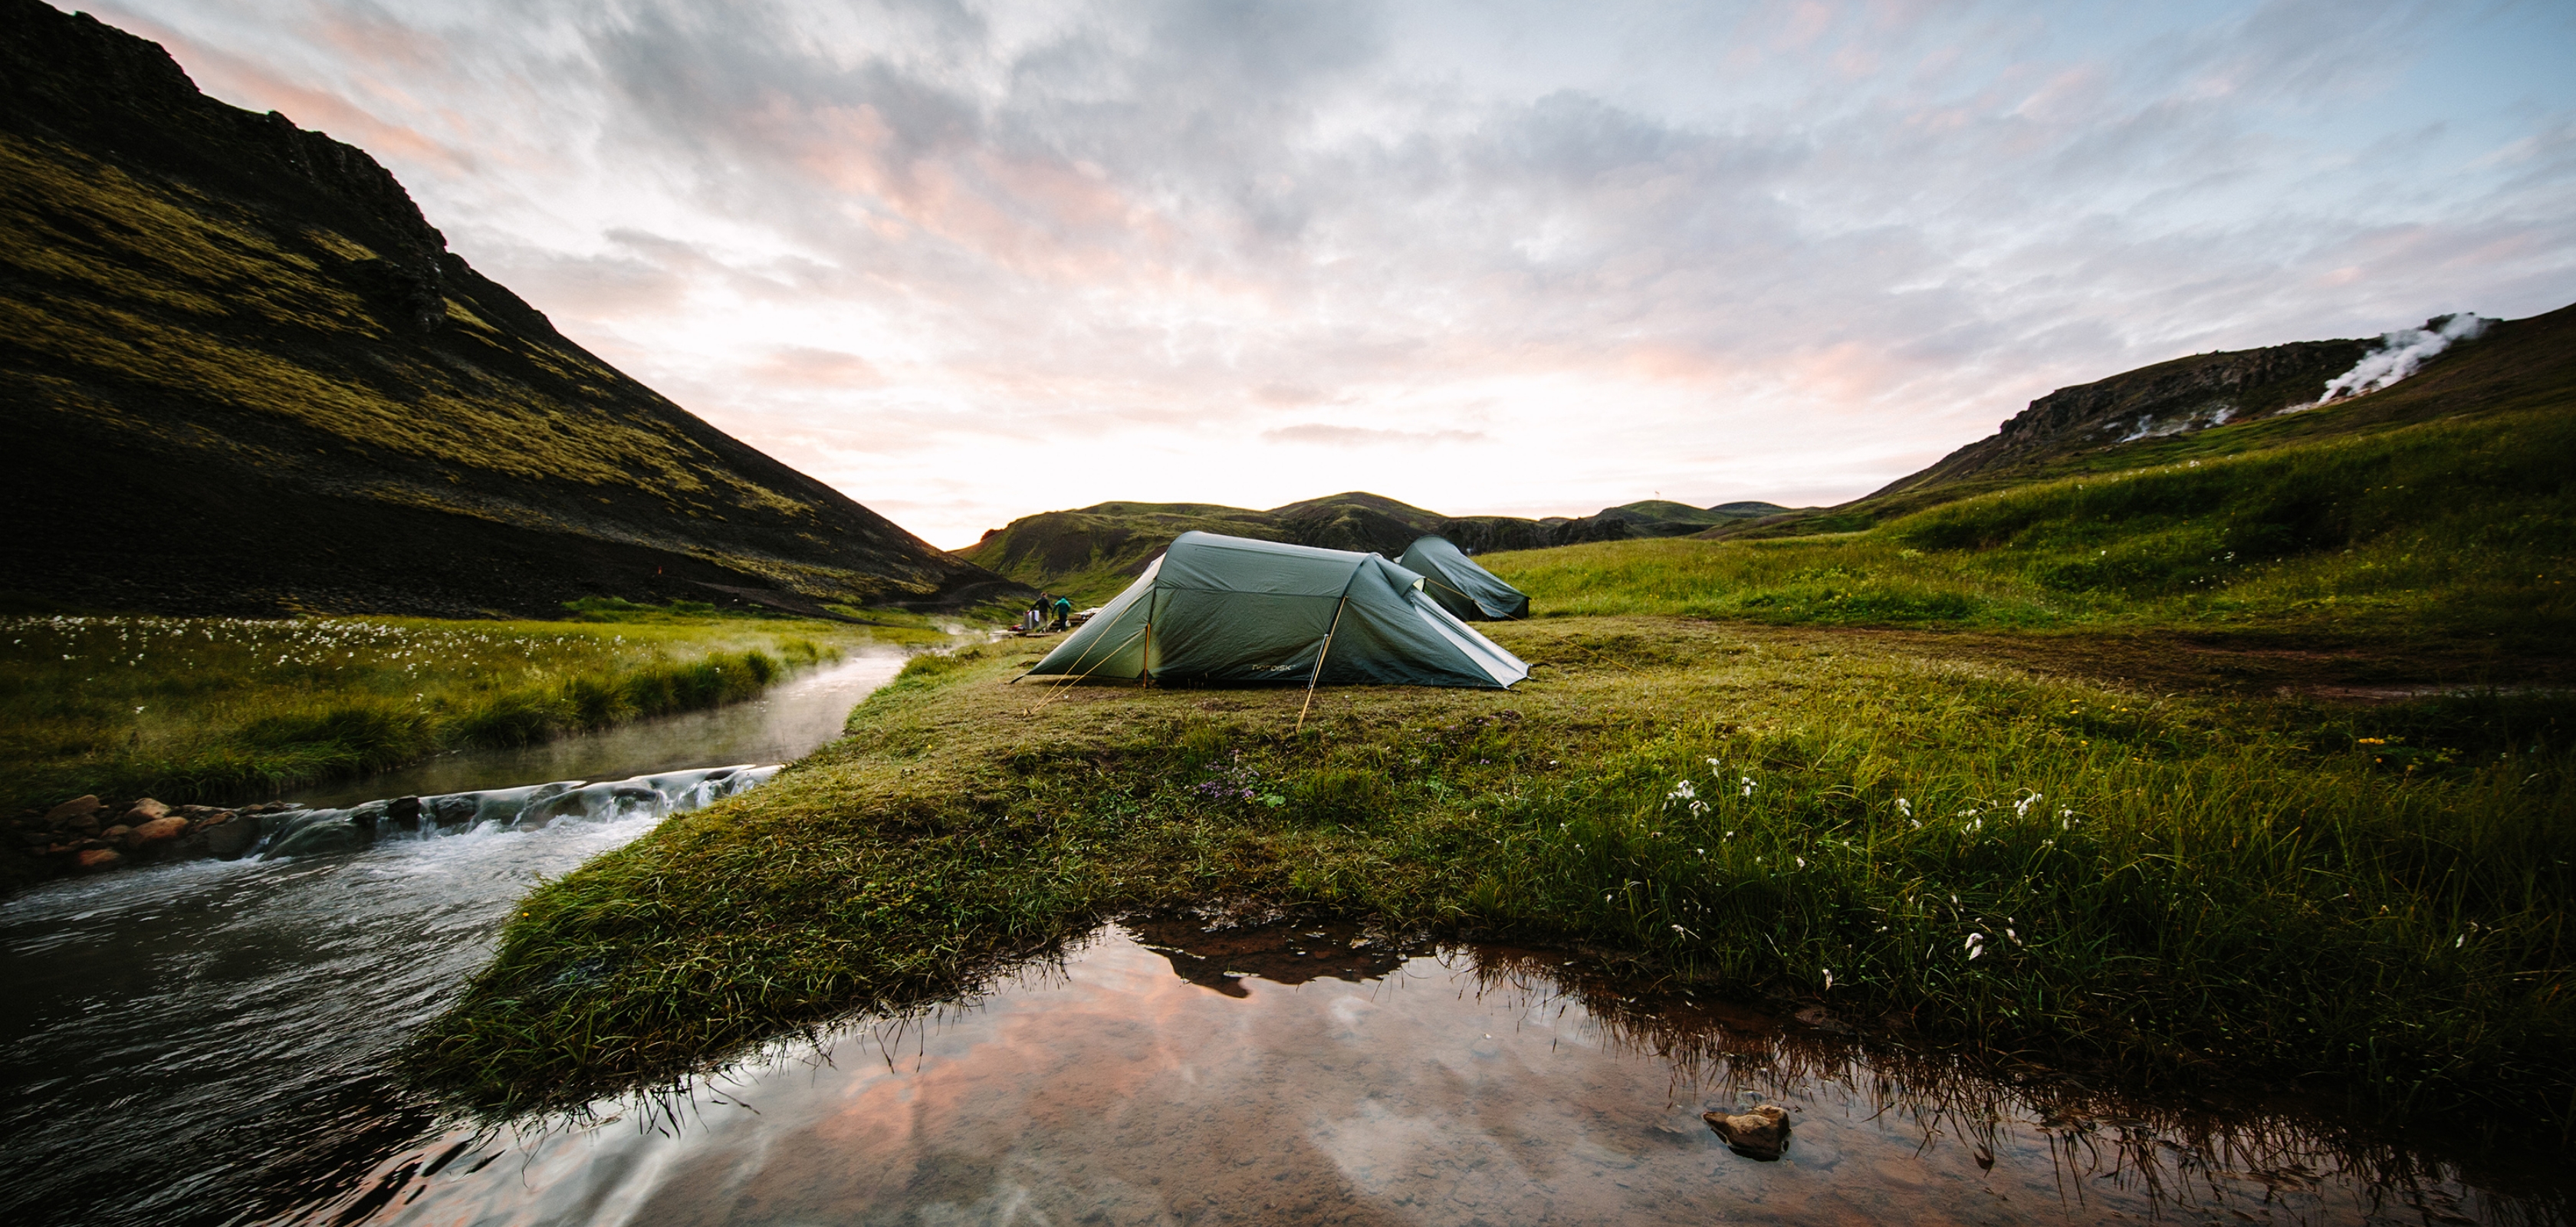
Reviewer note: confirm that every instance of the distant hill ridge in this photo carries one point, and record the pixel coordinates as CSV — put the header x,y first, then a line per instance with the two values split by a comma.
x,y
1095,550
246,375
2216,404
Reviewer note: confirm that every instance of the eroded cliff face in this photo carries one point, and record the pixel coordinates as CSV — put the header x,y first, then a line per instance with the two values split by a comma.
x,y
2186,394
257,380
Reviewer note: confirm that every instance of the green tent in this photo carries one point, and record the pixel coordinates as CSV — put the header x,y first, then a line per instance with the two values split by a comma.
x,y
1229,609
1462,587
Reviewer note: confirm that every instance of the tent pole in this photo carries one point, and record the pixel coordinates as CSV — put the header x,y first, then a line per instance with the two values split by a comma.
x,y
1320,654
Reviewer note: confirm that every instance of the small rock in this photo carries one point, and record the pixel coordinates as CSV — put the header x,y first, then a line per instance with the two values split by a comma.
x,y
94,860
229,836
71,811
115,833
157,831
1822,1019
146,810
1759,1134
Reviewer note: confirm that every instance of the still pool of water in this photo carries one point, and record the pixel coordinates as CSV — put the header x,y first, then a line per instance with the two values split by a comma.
x,y
1159,1075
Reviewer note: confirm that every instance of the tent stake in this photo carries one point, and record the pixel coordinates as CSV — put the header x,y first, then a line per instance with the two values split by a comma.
x,y
1320,654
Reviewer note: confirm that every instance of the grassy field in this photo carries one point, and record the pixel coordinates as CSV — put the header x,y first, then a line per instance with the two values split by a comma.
x,y
2446,530
2184,889
226,710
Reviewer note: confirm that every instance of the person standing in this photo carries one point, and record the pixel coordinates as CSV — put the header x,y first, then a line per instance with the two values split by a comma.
x,y
1063,612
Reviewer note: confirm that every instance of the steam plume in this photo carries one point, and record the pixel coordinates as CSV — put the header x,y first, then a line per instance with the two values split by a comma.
x,y
2402,351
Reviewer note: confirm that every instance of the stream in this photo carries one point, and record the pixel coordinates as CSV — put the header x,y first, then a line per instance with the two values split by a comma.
x,y
207,1042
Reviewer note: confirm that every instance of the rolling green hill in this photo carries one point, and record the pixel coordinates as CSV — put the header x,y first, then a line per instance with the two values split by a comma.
x,y
243,374
1092,552
2437,516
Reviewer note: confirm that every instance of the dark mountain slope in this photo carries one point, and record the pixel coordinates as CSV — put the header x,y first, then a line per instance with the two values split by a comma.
x,y
2215,405
242,373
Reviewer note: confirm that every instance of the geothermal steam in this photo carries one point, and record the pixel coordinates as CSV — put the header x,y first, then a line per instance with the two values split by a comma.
x,y
2402,351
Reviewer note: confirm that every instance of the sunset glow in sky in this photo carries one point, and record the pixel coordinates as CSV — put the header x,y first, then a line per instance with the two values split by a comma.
x,y
968,261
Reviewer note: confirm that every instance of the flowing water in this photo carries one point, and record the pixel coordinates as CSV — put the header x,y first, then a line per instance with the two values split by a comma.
x,y
207,1042
783,724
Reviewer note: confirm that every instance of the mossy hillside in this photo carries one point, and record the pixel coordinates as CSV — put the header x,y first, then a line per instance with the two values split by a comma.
x,y
228,710
2519,367
2449,529
111,245
249,334
2016,862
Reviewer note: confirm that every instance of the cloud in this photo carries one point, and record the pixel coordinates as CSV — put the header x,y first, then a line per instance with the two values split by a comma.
x,y
831,368
991,258
1319,434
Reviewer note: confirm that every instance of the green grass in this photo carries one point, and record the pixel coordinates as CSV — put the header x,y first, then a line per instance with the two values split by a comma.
x,y
2178,889
226,710
2459,529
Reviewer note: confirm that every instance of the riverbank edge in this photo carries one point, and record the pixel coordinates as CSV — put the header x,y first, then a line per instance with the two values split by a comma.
x,y
970,824
87,834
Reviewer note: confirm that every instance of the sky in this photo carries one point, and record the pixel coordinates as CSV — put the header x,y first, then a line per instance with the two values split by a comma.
x,y
971,261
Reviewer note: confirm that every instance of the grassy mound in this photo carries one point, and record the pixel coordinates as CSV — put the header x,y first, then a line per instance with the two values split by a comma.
x,y
2012,861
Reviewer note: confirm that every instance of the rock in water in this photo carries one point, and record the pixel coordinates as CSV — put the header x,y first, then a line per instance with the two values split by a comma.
x,y
230,837
1759,1134
92,860
317,832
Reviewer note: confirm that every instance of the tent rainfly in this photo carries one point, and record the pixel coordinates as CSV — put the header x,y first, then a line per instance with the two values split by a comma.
x,y
1229,609
1462,587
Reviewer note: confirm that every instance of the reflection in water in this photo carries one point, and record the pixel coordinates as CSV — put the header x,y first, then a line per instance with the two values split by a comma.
x,y
1331,1074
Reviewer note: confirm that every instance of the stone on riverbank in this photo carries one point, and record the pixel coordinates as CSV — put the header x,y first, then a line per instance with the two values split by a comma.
x,y
156,834
96,860
72,811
